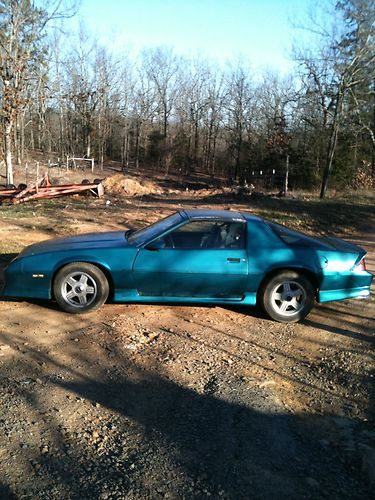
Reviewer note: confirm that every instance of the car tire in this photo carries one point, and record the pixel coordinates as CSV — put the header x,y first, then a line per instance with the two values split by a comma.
x,y
287,297
80,288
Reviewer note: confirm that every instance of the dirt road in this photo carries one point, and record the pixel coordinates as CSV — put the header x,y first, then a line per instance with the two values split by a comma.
x,y
181,402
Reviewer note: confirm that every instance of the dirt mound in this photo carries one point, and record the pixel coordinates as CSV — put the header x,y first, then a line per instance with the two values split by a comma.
x,y
213,192
119,184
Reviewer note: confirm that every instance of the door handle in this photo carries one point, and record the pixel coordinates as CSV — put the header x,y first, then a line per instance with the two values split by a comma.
x,y
234,260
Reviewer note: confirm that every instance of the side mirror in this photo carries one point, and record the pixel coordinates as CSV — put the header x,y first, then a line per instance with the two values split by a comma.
x,y
156,245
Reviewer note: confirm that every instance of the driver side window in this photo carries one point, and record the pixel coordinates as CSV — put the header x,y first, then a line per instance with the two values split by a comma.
x,y
206,235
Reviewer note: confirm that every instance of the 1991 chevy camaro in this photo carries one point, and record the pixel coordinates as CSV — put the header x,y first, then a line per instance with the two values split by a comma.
x,y
203,256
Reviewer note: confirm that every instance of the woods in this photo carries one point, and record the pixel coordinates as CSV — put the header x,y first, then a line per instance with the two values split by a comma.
x,y
69,95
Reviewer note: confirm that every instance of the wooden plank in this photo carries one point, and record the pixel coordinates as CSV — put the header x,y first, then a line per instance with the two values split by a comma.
x,y
54,191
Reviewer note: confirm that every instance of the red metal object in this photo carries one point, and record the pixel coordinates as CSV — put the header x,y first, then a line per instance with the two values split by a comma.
x,y
44,189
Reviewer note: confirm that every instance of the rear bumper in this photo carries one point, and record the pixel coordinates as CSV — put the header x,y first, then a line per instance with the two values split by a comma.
x,y
347,293
349,285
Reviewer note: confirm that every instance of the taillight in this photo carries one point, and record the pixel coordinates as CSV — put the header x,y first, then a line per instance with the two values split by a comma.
x,y
361,266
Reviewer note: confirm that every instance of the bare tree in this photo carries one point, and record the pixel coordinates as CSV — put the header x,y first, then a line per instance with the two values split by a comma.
x,y
162,67
213,118
22,30
346,53
20,34
191,105
238,97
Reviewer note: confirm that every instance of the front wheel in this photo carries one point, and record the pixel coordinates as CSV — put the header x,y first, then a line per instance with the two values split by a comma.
x,y
80,288
287,297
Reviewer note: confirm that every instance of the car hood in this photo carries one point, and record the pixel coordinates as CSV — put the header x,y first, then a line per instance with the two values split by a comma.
x,y
79,242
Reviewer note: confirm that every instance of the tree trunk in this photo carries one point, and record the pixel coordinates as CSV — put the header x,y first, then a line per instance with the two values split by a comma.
x,y
88,148
330,155
286,183
8,152
22,137
331,148
16,142
213,156
137,144
237,166
196,142
125,148
165,162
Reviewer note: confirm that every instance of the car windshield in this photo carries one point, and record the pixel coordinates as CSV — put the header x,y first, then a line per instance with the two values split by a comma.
x,y
150,232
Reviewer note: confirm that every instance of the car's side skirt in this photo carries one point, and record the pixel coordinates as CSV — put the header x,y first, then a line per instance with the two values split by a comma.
x,y
125,296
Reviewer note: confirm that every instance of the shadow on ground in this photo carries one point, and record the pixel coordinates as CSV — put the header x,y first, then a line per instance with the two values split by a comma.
x,y
156,438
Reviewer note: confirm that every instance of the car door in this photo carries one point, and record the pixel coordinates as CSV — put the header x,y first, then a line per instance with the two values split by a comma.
x,y
201,259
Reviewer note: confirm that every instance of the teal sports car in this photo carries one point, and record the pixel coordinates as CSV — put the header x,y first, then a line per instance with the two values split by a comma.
x,y
193,256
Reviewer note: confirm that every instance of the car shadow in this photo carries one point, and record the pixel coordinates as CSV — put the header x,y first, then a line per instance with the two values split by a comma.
x,y
6,493
364,337
165,439
252,311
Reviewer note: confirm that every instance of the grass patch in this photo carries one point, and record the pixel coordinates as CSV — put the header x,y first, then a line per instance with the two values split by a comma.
x,y
352,211
10,247
319,215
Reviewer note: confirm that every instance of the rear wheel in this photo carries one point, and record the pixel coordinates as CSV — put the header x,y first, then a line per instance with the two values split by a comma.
x,y
80,288
287,297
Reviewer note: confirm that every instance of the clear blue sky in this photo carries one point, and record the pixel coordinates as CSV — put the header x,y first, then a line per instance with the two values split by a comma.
x,y
260,31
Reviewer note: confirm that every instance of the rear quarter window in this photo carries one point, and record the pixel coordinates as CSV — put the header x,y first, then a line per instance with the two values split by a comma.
x,y
289,236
